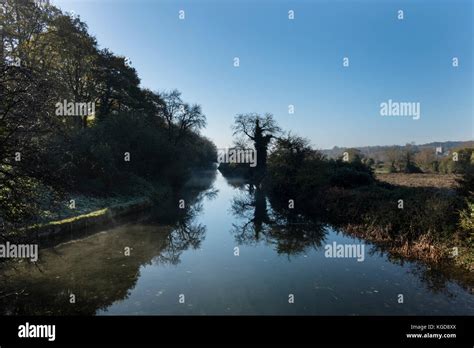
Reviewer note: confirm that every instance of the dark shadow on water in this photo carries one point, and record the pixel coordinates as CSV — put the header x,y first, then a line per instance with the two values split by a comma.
x,y
97,270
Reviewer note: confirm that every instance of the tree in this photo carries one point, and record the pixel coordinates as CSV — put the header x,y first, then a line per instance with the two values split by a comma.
x,y
26,120
47,57
181,117
261,130
67,53
191,119
408,164
117,85
426,160
27,98
466,181
354,155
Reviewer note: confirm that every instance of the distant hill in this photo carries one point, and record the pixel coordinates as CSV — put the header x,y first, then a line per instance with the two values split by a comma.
x,y
378,152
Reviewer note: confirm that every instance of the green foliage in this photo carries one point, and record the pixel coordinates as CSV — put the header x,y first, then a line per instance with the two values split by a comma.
x,y
464,163
296,169
466,221
60,155
466,189
346,194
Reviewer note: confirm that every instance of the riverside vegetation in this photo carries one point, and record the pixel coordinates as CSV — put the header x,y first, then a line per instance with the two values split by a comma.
x,y
140,143
434,224
56,165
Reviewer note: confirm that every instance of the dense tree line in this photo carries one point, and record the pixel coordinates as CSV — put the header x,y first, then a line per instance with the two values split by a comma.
x,y
415,159
131,139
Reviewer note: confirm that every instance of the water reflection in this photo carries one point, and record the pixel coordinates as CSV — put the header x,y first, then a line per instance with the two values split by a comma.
x,y
288,231
191,250
269,219
86,275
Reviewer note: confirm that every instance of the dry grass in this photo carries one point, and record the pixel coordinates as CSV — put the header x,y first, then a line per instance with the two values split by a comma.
x,y
423,248
442,181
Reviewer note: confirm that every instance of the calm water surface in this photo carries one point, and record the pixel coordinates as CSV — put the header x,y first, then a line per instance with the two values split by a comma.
x,y
194,256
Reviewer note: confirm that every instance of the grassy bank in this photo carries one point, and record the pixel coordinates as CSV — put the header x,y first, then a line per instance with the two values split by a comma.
x,y
86,212
94,218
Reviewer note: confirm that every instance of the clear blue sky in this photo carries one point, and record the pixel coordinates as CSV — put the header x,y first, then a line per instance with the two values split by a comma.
x,y
299,62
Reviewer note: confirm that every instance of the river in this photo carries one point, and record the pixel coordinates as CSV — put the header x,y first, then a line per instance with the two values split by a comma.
x,y
227,253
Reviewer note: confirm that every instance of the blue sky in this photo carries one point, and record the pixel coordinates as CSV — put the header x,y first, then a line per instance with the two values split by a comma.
x,y
299,62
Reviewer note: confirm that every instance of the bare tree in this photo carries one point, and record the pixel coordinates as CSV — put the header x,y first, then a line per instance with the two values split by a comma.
x,y
181,117
191,118
260,130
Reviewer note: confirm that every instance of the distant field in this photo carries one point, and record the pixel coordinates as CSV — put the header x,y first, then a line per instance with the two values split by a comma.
x,y
419,180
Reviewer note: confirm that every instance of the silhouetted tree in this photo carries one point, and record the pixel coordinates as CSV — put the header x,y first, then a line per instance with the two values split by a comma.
x,y
260,130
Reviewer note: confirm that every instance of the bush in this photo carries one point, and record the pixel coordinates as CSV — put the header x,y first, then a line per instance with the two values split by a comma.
x,y
296,171
350,177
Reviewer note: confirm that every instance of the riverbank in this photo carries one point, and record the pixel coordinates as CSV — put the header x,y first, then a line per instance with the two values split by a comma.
x,y
416,223
84,215
92,219
412,216
419,217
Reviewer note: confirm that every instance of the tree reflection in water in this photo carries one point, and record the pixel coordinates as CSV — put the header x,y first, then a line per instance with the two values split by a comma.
x,y
290,232
267,219
186,232
95,269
